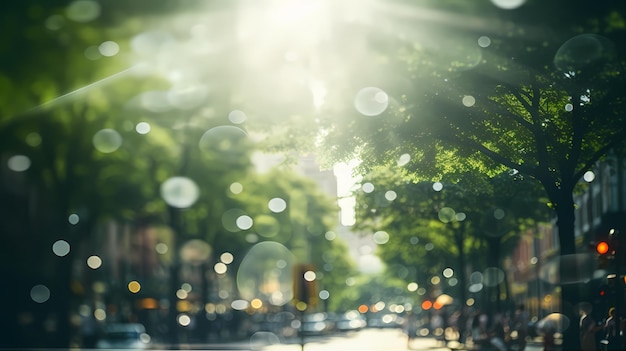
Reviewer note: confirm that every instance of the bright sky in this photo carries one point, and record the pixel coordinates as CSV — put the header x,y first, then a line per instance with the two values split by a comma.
x,y
345,183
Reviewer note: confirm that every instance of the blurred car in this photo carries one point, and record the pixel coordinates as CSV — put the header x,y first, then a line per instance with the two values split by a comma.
x,y
351,321
124,336
389,320
315,324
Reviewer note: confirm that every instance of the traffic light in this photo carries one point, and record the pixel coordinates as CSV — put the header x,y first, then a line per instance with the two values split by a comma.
x,y
603,250
602,247
606,248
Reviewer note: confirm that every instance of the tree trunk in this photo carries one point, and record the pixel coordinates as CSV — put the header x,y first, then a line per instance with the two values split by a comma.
x,y
570,296
460,243
493,286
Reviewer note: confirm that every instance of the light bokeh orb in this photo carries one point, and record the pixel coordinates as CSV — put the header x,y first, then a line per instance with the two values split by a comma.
x,y
277,205
109,48
195,251
244,222
229,219
368,187
381,237
266,226
94,262
226,143
142,128
484,41
468,100
237,117
447,214
61,248
73,218
83,10
266,271
40,293
180,192
403,160
391,195
371,101
19,163
493,276
33,139
107,140
508,4
582,51
262,339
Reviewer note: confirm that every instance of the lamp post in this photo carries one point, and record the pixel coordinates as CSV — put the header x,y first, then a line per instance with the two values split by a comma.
x,y
618,281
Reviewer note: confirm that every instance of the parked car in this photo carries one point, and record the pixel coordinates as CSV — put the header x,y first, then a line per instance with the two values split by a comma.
x,y
389,320
315,324
124,336
350,321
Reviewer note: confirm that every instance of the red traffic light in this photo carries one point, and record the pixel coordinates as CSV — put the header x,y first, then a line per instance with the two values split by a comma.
x,y
602,247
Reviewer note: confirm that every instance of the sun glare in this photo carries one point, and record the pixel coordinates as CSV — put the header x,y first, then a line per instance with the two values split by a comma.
x,y
296,12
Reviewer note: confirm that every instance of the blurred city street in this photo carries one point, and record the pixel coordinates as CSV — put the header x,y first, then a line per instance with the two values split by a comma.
x,y
298,175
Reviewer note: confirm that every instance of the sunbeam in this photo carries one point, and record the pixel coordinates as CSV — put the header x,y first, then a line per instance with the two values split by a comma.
x,y
77,92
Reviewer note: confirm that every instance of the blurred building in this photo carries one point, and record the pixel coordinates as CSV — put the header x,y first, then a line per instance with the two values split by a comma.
x,y
600,208
533,277
309,167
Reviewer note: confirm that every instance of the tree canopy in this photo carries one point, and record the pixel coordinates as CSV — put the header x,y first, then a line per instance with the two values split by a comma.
x,y
489,94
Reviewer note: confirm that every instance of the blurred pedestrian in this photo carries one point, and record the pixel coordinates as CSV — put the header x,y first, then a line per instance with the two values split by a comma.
x,y
612,331
410,328
89,329
496,333
588,329
549,328
520,325
479,330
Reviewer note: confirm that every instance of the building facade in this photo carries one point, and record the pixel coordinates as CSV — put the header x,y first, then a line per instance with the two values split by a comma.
x,y
533,268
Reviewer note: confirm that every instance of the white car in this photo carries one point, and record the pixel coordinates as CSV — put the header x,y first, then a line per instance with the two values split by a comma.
x,y
124,336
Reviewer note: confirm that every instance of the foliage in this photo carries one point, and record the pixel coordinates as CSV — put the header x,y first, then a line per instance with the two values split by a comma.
x,y
510,102
381,288
58,92
471,224
335,268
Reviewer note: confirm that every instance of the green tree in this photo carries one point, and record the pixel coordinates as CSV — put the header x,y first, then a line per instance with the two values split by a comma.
x,y
470,224
60,96
305,227
499,99
380,287
67,175
337,267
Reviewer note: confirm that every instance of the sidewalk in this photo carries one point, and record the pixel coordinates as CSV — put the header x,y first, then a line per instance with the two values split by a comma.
x,y
535,344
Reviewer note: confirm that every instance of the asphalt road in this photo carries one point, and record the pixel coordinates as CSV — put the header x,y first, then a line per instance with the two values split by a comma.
x,y
364,340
